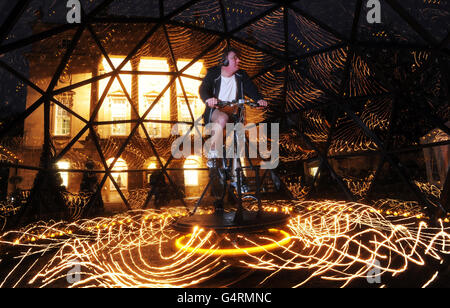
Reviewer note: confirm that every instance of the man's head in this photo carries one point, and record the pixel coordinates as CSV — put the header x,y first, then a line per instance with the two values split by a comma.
x,y
230,61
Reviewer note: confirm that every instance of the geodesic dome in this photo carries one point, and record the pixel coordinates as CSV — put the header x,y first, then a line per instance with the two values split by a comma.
x,y
363,107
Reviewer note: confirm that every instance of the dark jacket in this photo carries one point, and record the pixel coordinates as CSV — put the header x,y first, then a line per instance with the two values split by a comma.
x,y
210,87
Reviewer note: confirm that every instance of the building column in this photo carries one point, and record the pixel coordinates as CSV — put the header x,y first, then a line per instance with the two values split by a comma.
x,y
135,179
135,91
173,95
95,87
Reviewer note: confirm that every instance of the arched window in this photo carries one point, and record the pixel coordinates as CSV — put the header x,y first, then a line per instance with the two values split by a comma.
x,y
153,164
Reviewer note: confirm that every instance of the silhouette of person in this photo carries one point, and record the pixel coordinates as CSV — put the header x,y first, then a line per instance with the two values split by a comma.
x,y
89,184
158,188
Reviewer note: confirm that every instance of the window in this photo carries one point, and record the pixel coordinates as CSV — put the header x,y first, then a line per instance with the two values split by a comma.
x,y
119,112
150,87
154,77
121,178
154,129
64,165
153,164
191,87
191,176
183,111
116,106
62,117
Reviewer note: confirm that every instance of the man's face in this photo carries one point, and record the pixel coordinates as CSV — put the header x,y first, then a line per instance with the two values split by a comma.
x,y
234,61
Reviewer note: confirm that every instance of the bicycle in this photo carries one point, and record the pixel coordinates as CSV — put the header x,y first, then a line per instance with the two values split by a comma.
x,y
221,171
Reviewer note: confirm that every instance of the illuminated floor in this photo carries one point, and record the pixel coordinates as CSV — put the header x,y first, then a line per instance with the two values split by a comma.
x,y
325,244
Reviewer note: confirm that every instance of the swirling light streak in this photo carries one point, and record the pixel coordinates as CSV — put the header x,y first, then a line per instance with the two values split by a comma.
x,y
329,240
324,236
361,79
360,187
237,251
298,190
429,189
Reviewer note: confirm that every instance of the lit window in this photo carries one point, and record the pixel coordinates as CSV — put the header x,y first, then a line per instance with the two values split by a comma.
x,y
191,176
119,112
243,165
191,87
183,111
121,178
116,107
62,117
64,165
153,129
150,87
153,164
313,171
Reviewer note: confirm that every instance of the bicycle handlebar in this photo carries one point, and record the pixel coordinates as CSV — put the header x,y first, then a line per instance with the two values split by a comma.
x,y
239,102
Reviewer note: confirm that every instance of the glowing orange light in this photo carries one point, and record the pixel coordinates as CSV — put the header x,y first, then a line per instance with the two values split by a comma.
x,y
236,251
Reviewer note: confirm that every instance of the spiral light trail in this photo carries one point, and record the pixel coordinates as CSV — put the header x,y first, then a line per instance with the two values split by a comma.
x,y
338,242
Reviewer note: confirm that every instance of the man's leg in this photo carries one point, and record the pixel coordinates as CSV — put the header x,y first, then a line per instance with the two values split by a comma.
x,y
235,165
220,119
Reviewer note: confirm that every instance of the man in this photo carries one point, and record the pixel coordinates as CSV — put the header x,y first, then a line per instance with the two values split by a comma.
x,y
225,83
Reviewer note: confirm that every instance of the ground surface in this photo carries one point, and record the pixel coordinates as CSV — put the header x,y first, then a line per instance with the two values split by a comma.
x,y
328,244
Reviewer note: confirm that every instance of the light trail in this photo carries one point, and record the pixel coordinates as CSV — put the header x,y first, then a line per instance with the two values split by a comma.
x,y
238,251
337,242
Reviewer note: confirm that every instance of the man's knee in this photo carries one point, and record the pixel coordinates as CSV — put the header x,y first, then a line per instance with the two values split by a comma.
x,y
222,120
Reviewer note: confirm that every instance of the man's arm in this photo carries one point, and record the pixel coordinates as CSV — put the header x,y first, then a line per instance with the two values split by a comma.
x,y
252,91
207,87
206,90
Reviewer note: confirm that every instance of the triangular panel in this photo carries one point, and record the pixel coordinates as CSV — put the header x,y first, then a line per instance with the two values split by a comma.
x,y
272,85
39,62
130,8
362,80
392,28
306,36
433,16
188,45
337,15
120,39
203,14
238,13
253,61
267,33
302,93
171,6
327,70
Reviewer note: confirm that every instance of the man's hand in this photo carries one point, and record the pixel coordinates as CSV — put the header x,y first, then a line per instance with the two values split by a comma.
x,y
262,103
212,102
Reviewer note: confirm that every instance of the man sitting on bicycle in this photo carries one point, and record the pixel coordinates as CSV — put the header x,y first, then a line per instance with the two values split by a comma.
x,y
225,83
